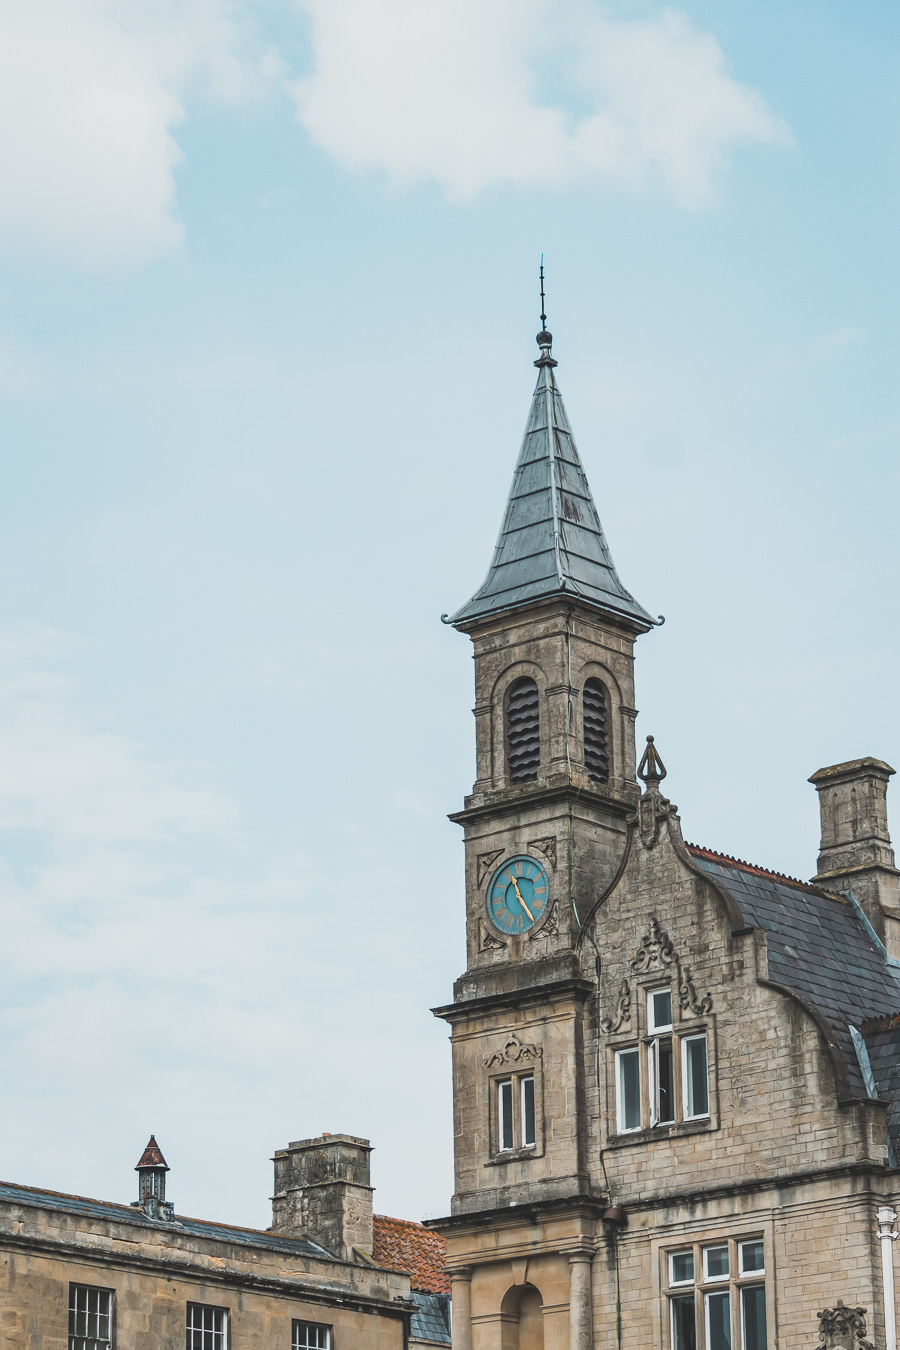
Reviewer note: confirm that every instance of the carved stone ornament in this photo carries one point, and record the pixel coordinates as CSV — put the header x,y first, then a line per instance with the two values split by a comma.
x,y
653,807
655,952
513,1052
687,996
549,928
546,846
843,1328
486,940
486,862
623,1011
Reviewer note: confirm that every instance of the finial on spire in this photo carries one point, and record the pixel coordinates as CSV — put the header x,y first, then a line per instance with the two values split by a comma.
x,y
544,339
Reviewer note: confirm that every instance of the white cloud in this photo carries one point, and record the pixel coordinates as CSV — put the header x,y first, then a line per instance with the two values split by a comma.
x,y
450,92
91,92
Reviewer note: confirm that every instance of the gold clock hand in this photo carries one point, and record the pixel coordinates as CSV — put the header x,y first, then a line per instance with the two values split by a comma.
x,y
520,900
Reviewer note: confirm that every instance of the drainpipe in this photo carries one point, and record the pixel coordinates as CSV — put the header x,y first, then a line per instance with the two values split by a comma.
x,y
886,1220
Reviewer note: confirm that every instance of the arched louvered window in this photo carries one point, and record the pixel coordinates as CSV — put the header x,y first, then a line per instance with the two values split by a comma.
x,y
523,732
596,730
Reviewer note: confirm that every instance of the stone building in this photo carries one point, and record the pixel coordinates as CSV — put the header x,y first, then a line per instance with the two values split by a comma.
x,y
80,1274
676,1075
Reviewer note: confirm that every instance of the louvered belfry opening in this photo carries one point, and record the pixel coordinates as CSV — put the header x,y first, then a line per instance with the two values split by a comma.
x,y
523,732
596,731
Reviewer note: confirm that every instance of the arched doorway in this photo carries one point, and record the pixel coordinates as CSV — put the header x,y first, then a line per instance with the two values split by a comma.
x,y
523,1318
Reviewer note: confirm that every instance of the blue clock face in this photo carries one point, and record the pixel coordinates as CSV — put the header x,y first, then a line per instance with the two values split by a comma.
x,y
517,895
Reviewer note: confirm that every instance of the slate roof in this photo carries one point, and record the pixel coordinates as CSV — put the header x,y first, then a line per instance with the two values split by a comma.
x,y
822,948
551,541
106,1209
400,1244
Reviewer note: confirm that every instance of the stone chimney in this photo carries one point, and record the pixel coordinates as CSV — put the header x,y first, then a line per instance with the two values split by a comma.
x,y
855,853
322,1192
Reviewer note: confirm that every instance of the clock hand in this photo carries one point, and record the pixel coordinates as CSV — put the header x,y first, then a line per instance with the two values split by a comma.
x,y
519,898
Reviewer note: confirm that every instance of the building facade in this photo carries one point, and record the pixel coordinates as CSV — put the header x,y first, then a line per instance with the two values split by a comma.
x,y
82,1274
676,1075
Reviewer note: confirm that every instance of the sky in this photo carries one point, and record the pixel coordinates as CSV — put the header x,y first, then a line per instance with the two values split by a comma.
x,y
268,297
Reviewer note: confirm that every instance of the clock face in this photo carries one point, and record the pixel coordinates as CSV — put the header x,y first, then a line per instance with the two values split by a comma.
x,y
517,895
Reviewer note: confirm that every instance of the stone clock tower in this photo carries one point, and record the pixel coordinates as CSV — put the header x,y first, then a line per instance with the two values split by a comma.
x,y
545,828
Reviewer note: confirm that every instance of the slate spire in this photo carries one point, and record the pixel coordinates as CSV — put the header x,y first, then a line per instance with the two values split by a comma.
x,y
551,542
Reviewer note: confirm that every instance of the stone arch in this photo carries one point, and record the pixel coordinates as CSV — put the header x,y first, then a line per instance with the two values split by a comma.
x,y
618,728
522,1313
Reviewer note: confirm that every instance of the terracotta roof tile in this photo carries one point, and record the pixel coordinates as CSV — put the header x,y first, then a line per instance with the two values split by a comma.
x,y
402,1245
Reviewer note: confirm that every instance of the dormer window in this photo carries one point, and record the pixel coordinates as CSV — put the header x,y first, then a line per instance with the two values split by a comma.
x,y
523,739
596,731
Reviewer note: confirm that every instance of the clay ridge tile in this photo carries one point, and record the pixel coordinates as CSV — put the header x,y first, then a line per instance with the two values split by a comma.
x,y
403,1245
699,852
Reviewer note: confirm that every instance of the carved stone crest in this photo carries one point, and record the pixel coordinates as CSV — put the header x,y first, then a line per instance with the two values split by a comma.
x,y
655,952
546,846
843,1328
486,862
514,1051
549,928
623,1011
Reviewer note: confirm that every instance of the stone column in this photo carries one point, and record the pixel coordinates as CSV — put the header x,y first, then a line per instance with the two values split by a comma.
x,y
580,1321
461,1309
886,1219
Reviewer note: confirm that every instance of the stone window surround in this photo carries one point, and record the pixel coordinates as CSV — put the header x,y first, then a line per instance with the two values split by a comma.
x,y
106,1307
516,1072
732,1235
683,1028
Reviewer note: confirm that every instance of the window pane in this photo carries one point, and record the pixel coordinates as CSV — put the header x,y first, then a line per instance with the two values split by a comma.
x,y
754,1316
527,1112
629,1090
752,1258
665,1095
695,1077
716,1259
718,1321
684,1323
660,1009
311,1336
90,1317
681,1267
504,1091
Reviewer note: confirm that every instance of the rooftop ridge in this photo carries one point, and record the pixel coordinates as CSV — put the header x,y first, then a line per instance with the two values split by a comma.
x,y
700,851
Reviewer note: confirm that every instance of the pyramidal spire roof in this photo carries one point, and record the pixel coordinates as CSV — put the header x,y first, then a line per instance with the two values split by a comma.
x,y
152,1156
551,542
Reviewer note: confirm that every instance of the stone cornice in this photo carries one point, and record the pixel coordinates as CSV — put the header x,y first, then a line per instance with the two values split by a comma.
x,y
577,989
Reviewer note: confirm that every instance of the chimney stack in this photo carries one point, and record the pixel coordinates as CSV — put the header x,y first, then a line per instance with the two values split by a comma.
x,y
151,1169
322,1192
855,853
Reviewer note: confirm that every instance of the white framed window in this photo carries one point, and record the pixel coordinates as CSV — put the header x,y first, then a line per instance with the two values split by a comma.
x,y
661,1064
659,1009
694,1077
752,1259
753,1317
206,1327
681,1267
715,1263
90,1317
718,1320
311,1336
628,1089
717,1300
526,1111
505,1133
683,1322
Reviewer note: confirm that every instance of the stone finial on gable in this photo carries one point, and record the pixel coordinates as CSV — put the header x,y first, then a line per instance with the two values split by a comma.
x,y
843,1328
653,808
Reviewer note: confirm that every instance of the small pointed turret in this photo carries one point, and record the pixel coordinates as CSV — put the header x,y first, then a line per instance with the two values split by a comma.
x,y
151,1169
551,542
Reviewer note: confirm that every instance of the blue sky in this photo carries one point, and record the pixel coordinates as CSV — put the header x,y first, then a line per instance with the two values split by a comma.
x,y
267,310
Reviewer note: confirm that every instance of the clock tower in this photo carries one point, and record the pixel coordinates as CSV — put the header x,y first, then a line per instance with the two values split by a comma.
x,y
545,829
